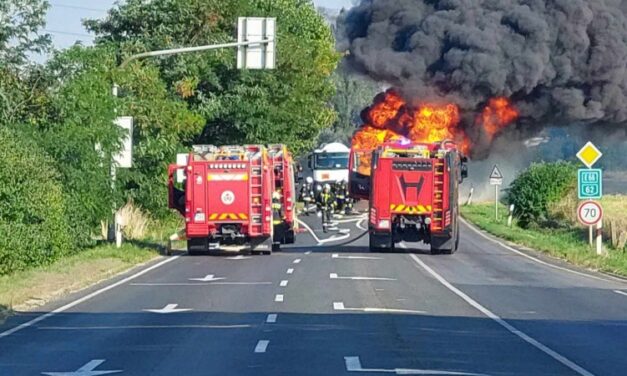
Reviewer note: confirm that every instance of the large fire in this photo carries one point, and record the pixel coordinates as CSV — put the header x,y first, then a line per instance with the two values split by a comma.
x,y
390,118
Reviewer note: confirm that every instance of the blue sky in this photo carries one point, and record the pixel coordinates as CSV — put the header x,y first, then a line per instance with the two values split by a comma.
x,y
64,17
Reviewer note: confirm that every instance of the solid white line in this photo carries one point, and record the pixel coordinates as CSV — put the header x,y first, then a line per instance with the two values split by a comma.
x,y
560,358
339,306
278,298
297,261
620,292
271,318
337,256
262,345
290,271
85,298
537,260
128,327
202,284
335,276
283,283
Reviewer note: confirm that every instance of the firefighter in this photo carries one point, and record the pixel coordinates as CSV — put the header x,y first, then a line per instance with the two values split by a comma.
x,y
326,205
348,200
277,215
307,195
340,196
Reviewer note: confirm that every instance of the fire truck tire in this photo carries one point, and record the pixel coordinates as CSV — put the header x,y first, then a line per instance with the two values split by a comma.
x,y
262,246
381,243
197,246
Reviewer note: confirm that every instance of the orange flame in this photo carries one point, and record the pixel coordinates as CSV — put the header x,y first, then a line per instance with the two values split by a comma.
x,y
390,118
497,115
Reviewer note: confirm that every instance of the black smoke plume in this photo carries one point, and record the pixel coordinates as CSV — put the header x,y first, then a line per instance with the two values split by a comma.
x,y
560,61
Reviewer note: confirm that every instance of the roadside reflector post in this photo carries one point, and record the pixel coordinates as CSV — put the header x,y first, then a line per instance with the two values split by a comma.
x,y
591,235
496,202
511,216
599,234
472,191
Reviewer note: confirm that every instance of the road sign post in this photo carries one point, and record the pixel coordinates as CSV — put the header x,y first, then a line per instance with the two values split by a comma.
x,y
496,179
590,187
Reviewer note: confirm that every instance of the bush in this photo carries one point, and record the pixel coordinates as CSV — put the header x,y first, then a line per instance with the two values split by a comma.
x,y
536,189
33,223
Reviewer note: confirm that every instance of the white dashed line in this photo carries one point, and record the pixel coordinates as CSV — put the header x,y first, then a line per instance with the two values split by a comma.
x,y
278,298
339,306
283,283
271,318
290,271
337,256
335,276
297,261
553,354
308,252
262,346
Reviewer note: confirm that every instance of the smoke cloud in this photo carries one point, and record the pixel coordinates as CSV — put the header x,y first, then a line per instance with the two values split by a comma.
x,y
560,61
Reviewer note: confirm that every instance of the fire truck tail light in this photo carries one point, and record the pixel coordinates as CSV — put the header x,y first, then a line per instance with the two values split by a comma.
x,y
384,223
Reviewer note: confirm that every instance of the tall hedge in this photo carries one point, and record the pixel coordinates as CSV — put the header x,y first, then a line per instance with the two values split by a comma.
x,y
33,224
539,186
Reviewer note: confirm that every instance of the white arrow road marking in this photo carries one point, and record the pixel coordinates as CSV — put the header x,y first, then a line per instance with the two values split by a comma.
x,y
271,318
620,292
283,283
240,257
335,276
538,345
262,345
339,306
170,308
337,256
86,370
278,298
353,364
208,278
203,284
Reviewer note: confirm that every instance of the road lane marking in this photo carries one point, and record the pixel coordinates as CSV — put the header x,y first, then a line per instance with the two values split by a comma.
x,y
283,283
308,252
208,278
620,292
297,261
86,370
278,298
262,346
240,257
290,271
335,276
170,308
85,298
271,319
141,327
202,284
353,364
337,256
537,260
553,354
339,306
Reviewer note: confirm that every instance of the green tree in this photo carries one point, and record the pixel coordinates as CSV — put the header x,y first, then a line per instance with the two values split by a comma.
x,y
289,105
20,24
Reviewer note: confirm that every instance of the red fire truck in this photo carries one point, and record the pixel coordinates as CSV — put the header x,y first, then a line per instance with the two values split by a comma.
x,y
284,210
413,193
226,198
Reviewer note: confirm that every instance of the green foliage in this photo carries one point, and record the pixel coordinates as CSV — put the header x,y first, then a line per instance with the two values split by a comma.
x,y
288,105
20,21
537,187
33,223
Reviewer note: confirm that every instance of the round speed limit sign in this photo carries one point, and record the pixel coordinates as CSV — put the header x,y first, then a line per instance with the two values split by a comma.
x,y
590,213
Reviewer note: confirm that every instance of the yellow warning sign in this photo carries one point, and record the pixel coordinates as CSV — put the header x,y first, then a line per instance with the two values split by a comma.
x,y
589,154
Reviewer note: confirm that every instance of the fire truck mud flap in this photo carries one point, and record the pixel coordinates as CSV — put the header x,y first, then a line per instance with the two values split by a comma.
x,y
197,246
261,246
446,243
381,242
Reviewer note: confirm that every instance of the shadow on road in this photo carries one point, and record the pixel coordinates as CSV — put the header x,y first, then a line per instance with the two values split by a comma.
x,y
221,343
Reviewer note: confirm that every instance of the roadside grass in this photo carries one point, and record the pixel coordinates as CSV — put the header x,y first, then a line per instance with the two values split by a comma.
x,y
569,244
26,290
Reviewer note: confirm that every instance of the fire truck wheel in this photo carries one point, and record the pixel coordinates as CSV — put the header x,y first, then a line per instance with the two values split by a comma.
x,y
381,243
262,246
197,246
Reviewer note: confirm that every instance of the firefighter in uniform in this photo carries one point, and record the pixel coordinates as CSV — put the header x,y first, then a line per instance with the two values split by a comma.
x,y
277,213
326,205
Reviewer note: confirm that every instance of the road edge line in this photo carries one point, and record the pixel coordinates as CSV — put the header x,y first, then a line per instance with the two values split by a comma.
x,y
85,298
605,278
530,340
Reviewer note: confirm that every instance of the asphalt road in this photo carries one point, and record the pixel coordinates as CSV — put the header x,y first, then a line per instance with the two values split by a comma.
x,y
322,308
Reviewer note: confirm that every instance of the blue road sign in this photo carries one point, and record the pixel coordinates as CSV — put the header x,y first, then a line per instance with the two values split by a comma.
x,y
590,182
